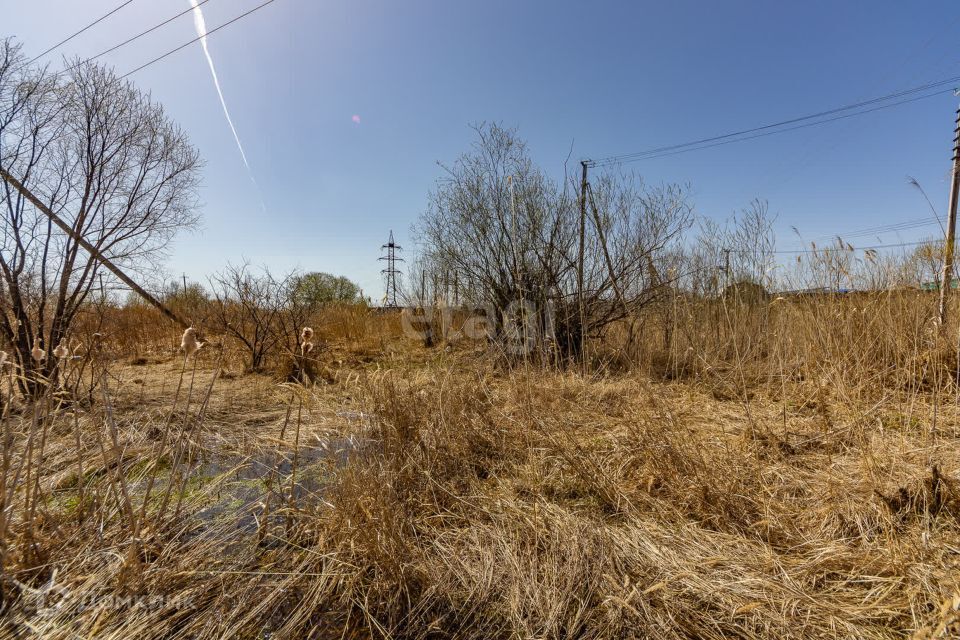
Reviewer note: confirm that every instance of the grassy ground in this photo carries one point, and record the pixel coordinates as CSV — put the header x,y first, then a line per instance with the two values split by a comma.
x,y
431,493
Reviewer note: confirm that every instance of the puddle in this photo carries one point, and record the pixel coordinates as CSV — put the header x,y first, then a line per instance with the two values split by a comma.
x,y
242,483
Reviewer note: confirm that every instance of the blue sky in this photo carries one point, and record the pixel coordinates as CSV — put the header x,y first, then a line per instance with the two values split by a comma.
x,y
600,77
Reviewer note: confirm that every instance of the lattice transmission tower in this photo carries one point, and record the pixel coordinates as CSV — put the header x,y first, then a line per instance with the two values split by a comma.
x,y
391,272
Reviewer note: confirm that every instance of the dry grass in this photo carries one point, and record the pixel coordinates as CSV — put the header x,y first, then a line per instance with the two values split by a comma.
x,y
767,488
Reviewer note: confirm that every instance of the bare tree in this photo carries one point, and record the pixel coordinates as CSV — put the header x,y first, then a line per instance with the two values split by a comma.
x,y
510,237
106,159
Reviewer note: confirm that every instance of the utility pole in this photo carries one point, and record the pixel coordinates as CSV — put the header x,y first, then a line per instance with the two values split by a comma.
x,y
391,272
947,282
726,269
583,229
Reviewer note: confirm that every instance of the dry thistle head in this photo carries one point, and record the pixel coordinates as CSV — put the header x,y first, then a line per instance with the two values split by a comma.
x,y
306,347
189,342
61,351
38,354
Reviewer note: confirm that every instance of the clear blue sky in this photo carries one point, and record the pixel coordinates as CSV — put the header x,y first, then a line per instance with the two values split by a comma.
x,y
604,77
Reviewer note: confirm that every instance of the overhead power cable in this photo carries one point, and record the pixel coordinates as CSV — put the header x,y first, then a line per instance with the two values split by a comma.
x,y
142,33
843,249
198,38
882,102
74,35
887,228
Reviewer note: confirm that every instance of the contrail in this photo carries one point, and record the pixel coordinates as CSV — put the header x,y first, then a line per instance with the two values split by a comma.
x,y
201,26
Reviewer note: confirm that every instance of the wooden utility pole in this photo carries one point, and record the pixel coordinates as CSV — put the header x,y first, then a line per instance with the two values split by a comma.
x,y
947,282
726,270
92,250
583,231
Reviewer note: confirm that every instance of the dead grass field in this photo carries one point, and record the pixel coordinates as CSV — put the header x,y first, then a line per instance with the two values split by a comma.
x,y
432,493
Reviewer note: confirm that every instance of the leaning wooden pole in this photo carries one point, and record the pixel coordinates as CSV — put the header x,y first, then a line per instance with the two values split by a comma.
x,y
127,280
946,282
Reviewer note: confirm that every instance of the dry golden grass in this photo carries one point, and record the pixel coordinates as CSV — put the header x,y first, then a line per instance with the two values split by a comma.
x,y
757,487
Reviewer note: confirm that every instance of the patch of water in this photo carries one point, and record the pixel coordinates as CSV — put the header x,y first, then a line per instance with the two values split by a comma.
x,y
251,479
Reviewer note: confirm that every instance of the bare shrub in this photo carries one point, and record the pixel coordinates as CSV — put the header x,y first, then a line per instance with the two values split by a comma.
x,y
248,307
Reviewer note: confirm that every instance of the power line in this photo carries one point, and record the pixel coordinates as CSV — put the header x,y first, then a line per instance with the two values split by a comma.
x,y
71,37
794,128
141,34
831,249
887,228
188,43
616,160
772,128
820,114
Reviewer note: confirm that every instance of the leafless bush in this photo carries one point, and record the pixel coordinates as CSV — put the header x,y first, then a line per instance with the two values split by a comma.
x,y
248,306
265,314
